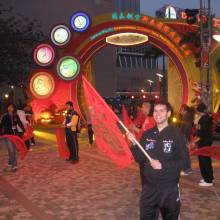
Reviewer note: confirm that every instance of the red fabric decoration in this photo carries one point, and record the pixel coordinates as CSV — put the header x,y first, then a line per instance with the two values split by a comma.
x,y
208,151
28,133
61,143
108,136
126,118
18,142
148,124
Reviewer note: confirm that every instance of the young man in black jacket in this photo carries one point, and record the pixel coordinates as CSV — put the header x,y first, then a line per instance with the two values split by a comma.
x,y
164,145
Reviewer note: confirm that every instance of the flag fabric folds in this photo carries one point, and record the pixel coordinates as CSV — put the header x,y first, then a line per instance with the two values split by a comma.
x,y
18,142
61,143
126,119
209,151
28,134
108,136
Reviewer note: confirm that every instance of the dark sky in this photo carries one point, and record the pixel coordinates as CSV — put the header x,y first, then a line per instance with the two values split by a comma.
x,y
52,12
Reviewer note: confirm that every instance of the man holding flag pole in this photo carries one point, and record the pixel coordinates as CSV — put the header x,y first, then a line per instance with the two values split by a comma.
x,y
161,155
162,159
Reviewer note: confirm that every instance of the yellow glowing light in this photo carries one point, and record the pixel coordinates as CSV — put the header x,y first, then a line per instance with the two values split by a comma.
x,y
46,115
42,85
216,90
142,90
126,39
174,119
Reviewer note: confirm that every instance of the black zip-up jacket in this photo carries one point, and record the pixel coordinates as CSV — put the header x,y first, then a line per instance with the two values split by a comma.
x,y
167,147
8,122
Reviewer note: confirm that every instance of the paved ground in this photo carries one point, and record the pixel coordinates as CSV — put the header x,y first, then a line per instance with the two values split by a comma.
x,y
46,187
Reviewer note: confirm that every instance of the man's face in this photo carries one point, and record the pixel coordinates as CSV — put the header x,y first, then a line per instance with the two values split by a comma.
x,y
161,114
146,108
68,107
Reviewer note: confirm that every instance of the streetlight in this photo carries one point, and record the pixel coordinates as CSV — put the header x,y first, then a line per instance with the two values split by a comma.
x,y
6,96
150,85
160,77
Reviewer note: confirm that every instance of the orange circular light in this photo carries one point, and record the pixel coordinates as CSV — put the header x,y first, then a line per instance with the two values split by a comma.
x,y
42,85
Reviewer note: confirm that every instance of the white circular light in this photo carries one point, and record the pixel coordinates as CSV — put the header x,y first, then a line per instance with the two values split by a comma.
x,y
60,35
216,37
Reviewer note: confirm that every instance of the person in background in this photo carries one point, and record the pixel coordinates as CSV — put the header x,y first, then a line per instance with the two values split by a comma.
x,y
30,118
9,125
186,126
89,129
22,116
70,123
204,139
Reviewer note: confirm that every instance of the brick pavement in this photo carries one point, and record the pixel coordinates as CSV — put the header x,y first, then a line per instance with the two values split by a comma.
x,y
46,187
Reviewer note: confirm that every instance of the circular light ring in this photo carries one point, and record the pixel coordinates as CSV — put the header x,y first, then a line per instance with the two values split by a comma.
x,y
60,35
44,55
126,39
80,21
42,85
68,68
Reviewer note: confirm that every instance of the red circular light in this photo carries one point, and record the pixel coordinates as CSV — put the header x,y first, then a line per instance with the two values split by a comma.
x,y
44,55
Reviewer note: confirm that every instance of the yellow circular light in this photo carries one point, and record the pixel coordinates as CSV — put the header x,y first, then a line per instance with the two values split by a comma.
x,y
127,39
174,119
42,85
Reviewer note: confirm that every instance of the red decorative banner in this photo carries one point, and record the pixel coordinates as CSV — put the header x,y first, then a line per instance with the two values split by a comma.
x,y
18,142
109,138
61,143
208,151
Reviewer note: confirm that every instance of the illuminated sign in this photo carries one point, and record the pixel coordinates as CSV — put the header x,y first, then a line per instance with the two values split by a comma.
x,y
42,85
127,39
60,35
104,31
80,21
170,12
44,54
68,68
173,14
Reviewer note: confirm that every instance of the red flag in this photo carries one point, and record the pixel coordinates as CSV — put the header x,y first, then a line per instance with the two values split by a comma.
x,y
28,134
108,136
126,119
61,143
209,151
18,142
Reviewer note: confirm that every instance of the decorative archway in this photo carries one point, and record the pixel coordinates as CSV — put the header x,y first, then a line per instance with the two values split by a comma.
x,y
83,46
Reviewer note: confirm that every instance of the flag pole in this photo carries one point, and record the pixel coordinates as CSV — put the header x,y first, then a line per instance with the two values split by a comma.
x,y
135,141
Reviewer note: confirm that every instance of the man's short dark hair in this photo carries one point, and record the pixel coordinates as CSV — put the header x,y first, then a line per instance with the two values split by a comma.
x,y
69,103
167,104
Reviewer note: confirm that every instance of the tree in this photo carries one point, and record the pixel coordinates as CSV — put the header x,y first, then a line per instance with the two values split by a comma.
x,y
18,37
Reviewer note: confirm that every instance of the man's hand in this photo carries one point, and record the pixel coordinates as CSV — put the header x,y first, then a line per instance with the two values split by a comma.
x,y
156,164
130,137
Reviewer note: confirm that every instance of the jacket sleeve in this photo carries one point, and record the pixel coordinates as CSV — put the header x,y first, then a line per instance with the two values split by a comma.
x,y
137,153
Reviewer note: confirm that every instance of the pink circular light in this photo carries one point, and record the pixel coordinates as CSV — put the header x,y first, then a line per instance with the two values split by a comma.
x,y
44,55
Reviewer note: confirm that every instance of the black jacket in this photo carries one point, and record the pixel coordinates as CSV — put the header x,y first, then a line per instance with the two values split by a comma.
x,y
204,131
167,147
9,124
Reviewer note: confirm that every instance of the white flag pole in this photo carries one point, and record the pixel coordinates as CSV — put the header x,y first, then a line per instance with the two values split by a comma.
x,y
135,141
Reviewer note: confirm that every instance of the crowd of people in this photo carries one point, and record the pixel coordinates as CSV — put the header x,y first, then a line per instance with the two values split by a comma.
x,y
166,144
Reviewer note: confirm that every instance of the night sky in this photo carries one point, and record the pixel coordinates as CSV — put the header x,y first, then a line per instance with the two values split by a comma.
x,y
52,12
